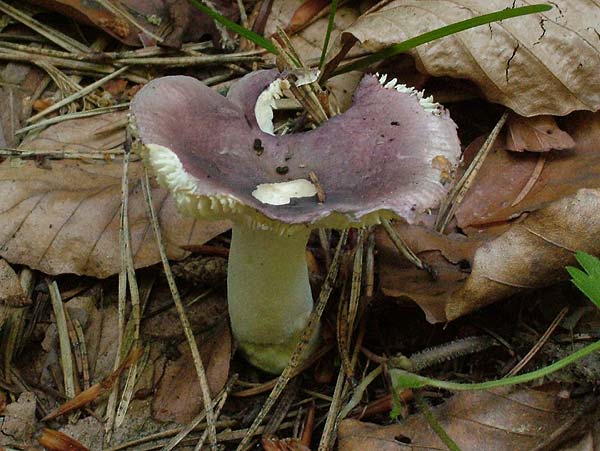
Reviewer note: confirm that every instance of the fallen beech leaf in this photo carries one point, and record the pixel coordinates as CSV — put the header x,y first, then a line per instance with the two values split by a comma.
x,y
57,441
178,396
530,254
11,292
504,175
535,134
476,421
65,219
19,82
305,12
537,64
185,23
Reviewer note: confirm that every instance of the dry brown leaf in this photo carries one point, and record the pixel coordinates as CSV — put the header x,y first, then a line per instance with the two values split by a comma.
x,y
184,22
476,421
65,219
19,82
535,134
530,254
504,174
510,247
537,64
178,396
11,291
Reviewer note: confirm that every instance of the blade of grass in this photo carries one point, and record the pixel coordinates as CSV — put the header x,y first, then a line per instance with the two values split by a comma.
x,y
441,33
403,379
236,28
330,25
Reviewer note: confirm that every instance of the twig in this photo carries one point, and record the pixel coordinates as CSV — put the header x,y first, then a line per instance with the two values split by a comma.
x,y
540,343
187,61
85,91
332,415
401,245
59,154
306,336
458,192
124,14
60,39
66,357
70,116
218,403
533,178
210,418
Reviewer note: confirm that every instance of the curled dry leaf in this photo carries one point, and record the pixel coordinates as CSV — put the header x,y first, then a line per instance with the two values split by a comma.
x,y
535,134
537,64
476,421
65,219
509,247
178,397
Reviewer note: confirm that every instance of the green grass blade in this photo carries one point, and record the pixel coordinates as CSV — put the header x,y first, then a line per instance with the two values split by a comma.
x,y
330,25
236,28
403,379
442,32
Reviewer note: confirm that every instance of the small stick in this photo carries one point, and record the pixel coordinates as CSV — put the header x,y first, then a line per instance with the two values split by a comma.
x,y
535,175
210,418
401,245
60,39
458,192
85,91
66,357
540,343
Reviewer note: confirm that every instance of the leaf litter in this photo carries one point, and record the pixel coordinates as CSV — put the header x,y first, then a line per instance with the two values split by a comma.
x,y
515,230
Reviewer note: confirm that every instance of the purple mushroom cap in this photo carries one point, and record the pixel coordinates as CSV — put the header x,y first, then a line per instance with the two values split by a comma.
x,y
389,154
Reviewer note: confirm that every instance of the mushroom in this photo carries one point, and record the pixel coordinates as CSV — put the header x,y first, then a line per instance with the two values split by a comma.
x,y
220,160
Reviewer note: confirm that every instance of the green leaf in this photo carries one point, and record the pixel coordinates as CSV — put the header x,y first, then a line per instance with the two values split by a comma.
x,y
589,281
236,28
441,33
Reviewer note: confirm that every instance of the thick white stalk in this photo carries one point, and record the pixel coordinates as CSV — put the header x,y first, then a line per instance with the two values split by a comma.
x,y
268,294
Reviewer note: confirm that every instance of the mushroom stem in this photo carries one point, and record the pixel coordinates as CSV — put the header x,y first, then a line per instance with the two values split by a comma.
x,y
269,294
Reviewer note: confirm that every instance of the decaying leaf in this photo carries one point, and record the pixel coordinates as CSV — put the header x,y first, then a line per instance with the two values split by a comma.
x,y
509,247
18,83
476,421
64,217
537,64
11,291
535,134
178,396
504,175
176,21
